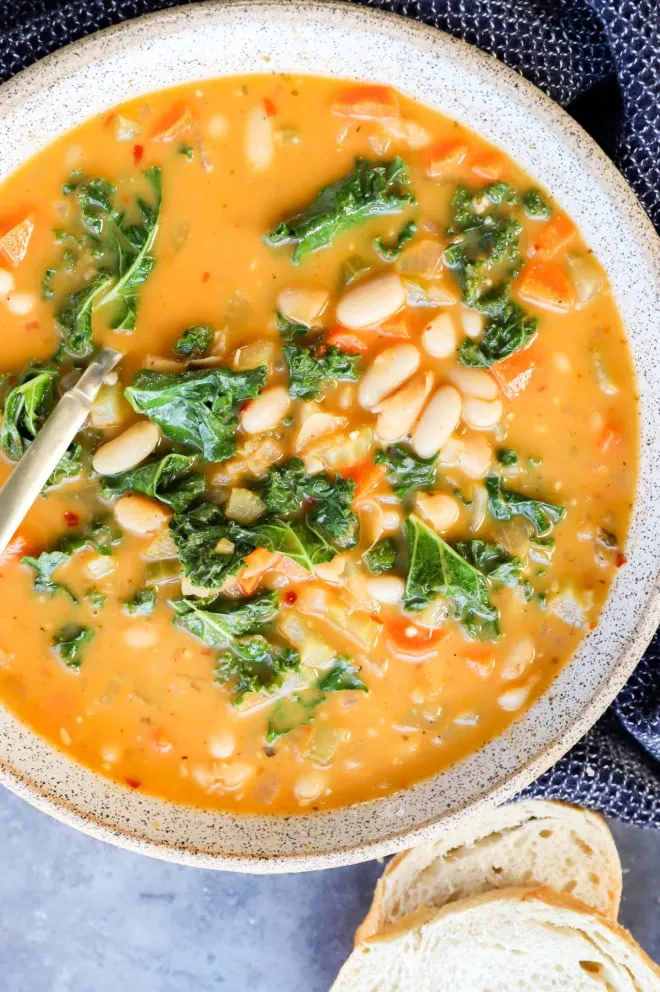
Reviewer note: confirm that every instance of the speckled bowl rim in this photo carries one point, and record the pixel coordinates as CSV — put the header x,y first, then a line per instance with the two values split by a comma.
x,y
351,41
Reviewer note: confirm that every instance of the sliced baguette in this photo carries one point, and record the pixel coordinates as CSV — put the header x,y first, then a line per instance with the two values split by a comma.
x,y
511,940
530,843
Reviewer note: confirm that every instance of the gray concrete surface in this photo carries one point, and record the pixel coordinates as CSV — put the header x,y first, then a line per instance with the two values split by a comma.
x,y
77,915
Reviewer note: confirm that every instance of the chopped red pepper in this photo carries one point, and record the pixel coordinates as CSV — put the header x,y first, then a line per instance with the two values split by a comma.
x,y
138,152
72,519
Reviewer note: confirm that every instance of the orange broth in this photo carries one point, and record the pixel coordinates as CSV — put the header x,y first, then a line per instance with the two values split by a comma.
x,y
143,708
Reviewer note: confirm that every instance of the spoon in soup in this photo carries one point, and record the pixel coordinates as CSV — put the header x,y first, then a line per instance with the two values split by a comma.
x,y
42,457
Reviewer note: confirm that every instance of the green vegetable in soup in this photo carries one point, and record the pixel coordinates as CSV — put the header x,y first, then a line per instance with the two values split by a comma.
x,y
44,566
296,540
96,600
343,676
194,342
247,659
198,532
100,536
287,489
70,643
381,557
389,253
118,243
507,456
371,190
436,569
405,470
493,561
27,407
509,331
142,604
311,368
169,479
197,408
504,504
292,712
535,206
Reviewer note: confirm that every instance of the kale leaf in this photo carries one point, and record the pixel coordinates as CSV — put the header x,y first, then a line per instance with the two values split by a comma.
x,y
371,190
389,253
342,676
100,535
75,317
493,560
504,504
287,489
535,206
197,408
45,565
509,331
381,557
292,712
194,342
70,642
295,540
70,466
436,569
196,534
247,659
405,470
142,604
311,367
169,479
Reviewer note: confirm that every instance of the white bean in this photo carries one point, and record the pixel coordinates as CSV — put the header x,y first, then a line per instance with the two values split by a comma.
x,y
472,323
513,699
451,452
476,457
217,126
302,306
140,515
398,413
437,423
388,370
439,336
21,304
371,302
266,411
482,415
127,450
474,382
6,282
222,744
259,139
440,509
391,519
309,787
519,656
141,635
386,588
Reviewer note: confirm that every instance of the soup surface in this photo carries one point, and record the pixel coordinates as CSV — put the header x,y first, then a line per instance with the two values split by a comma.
x,y
363,477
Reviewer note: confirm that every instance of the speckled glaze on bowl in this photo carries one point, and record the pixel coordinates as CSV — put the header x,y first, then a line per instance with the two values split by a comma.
x,y
205,40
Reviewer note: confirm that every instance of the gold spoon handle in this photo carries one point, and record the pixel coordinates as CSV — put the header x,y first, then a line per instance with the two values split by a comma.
x,y
42,457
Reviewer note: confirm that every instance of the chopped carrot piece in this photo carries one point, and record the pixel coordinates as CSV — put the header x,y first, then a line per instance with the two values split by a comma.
x,y
442,157
175,122
546,285
14,242
255,566
488,165
367,103
407,639
367,476
513,374
19,545
270,107
347,341
609,437
554,236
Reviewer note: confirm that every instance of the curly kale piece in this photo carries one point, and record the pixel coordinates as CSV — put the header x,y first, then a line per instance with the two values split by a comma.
x,y
169,479
510,331
194,342
370,190
405,470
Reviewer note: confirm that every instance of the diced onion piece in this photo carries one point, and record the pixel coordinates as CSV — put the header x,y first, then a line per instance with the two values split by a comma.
x,y
244,506
372,521
254,354
125,129
161,546
424,259
435,615
567,607
259,139
433,295
324,742
303,305
349,451
14,243
587,277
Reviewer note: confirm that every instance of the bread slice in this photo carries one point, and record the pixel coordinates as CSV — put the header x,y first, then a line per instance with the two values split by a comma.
x,y
527,843
511,940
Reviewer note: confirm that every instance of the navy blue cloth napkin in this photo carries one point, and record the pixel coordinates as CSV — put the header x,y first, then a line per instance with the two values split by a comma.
x,y
600,59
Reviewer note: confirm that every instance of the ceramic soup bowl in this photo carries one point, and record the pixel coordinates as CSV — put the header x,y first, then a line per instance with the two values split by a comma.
x,y
206,40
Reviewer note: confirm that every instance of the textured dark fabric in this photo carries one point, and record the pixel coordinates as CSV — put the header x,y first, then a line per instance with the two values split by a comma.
x,y
601,60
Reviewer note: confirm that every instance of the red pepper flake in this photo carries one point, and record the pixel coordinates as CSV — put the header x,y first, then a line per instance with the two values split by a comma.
x,y
620,559
290,597
206,276
72,519
134,783
270,107
138,152
245,406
